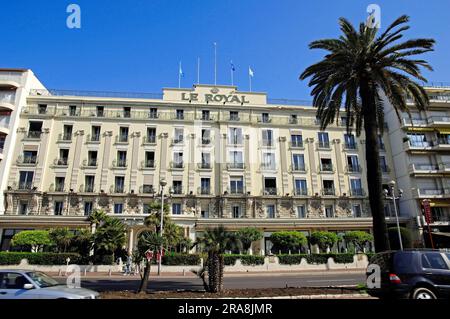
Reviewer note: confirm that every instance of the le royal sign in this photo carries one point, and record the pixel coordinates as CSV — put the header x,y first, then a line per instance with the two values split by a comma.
x,y
214,98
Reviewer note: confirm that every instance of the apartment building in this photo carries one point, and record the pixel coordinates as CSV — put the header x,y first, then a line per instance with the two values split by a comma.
x,y
421,155
229,157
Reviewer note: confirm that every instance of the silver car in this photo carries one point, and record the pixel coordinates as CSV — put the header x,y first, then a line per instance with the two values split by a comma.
x,y
26,284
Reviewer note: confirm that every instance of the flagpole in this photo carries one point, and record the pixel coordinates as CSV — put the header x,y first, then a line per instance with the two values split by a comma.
x,y
198,70
179,75
249,79
231,70
215,63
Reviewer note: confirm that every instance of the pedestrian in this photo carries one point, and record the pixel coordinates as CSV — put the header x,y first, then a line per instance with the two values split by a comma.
x,y
128,265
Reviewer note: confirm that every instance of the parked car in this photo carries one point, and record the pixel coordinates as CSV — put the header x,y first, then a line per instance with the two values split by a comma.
x,y
25,284
415,274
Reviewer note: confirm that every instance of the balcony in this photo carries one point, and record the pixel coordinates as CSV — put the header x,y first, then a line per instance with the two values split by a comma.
x,y
25,186
293,120
178,141
7,99
443,143
59,187
117,189
119,163
235,141
65,137
237,166
148,164
298,168
264,119
423,168
267,143
95,138
357,192
204,191
204,166
63,162
417,145
433,193
300,192
26,161
205,141
439,121
323,145
205,117
150,139
385,169
153,115
296,144
177,190
177,165
271,191
350,146
233,118
353,169
121,139
236,190
326,168
415,122
147,189
34,135
328,192
268,167
89,188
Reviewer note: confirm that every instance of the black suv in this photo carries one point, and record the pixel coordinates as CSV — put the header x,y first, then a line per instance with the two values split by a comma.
x,y
415,274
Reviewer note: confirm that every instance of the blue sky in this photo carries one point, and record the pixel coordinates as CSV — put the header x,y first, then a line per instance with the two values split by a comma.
x,y
136,45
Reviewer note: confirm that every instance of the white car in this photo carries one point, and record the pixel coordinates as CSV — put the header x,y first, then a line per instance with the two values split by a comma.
x,y
26,284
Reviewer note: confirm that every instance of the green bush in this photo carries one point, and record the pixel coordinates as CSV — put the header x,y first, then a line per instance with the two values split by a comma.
x,y
177,259
101,260
230,260
287,240
14,258
247,260
315,258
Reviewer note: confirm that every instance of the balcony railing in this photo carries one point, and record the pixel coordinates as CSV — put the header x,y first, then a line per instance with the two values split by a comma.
x,y
122,139
89,188
354,168
420,144
177,165
350,146
323,144
236,165
34,134
150,139
147,189
439,120
61,162
264,119
7,97
443,141
177,140
204,190
177,190
433,192
268,166
148,164
4,121
296,144
273,191
204,165
119,163
118,189
298,168
300,192
424,167
205,141
27,160
267,143
328,191
25,185
326,168
236,190
415,122
65,137
93,138
357,192
59,188
234,118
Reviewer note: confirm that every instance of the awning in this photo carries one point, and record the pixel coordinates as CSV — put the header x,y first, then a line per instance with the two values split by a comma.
x,y
420,129
439,204
444,131
442,234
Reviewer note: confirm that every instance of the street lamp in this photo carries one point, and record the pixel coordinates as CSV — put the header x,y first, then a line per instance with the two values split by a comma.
x,y
162,183
394,198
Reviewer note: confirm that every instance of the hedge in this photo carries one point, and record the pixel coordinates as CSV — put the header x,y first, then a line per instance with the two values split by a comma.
x,y
14,258
315,258
248,260
177,259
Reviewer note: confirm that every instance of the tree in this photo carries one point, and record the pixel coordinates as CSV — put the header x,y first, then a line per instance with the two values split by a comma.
x,y
62,237
215,241
109,237
248,235
287,240
33,239
82,241
323,239
358,238
148,240
359,69
405,234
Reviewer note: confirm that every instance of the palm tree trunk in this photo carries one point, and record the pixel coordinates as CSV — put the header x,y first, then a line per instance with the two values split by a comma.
x,y
374,181
212,272
144,280
220,277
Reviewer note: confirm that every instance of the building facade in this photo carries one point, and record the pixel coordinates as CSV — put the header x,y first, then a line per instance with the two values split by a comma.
x,y
233,158
421,155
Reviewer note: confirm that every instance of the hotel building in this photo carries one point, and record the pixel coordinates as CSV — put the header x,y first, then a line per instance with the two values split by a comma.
x,y
229,157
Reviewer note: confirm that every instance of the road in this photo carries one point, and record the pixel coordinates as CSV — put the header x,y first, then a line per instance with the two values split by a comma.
x,y
230,281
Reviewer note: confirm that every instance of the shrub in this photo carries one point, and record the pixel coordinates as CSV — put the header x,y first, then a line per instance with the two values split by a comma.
x,y
14,258
247,260
36,239
248,235
358,238
287,240
102,259
315,258
177,259
323,239
393,237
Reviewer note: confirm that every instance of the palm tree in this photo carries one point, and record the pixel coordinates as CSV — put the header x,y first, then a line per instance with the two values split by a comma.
x,y
148,240
110,236
62,237
359,69
215,242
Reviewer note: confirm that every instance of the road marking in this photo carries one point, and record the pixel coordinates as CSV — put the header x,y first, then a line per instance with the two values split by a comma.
x,y
328,280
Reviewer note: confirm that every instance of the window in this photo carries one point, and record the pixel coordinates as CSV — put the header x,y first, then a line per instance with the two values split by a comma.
x,y
236,160
88,207
265,118
268,161
270,209
234,116
179,133
328,187
329,212
118,208
433,260
121,158
350,142
123,134
95,131
324,142
301,187
100,111
235,135
59,184
267,138
205,214
13,281
151,135
383,164
206,160
357,210
127,112
176,209
236,185
236,211
326,165
353,163
59,206
23,208
301,211
119,184
177,187
205,187
35,129
63,157
206,136
29,157
73,110
270,186
150,159
89,183
25,180
180,114
42,108
205,115
296,140
178,160
356,187
147,189
153,113
381,143
92,158
146,208
443,138
343,121
298,162
293,119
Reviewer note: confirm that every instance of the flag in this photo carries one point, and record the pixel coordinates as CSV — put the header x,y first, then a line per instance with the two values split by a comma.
x,y
250,71
180,71
232,67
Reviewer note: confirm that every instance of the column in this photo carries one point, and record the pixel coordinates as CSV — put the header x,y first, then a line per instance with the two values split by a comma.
x,y
106,161
339,166
284,166
163,156
38,180
76,159
248,168
223,164
191,165
312,166
136,137
130,240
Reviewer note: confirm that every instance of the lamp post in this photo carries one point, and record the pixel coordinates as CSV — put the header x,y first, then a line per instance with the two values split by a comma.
x,y
162,183
394,198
